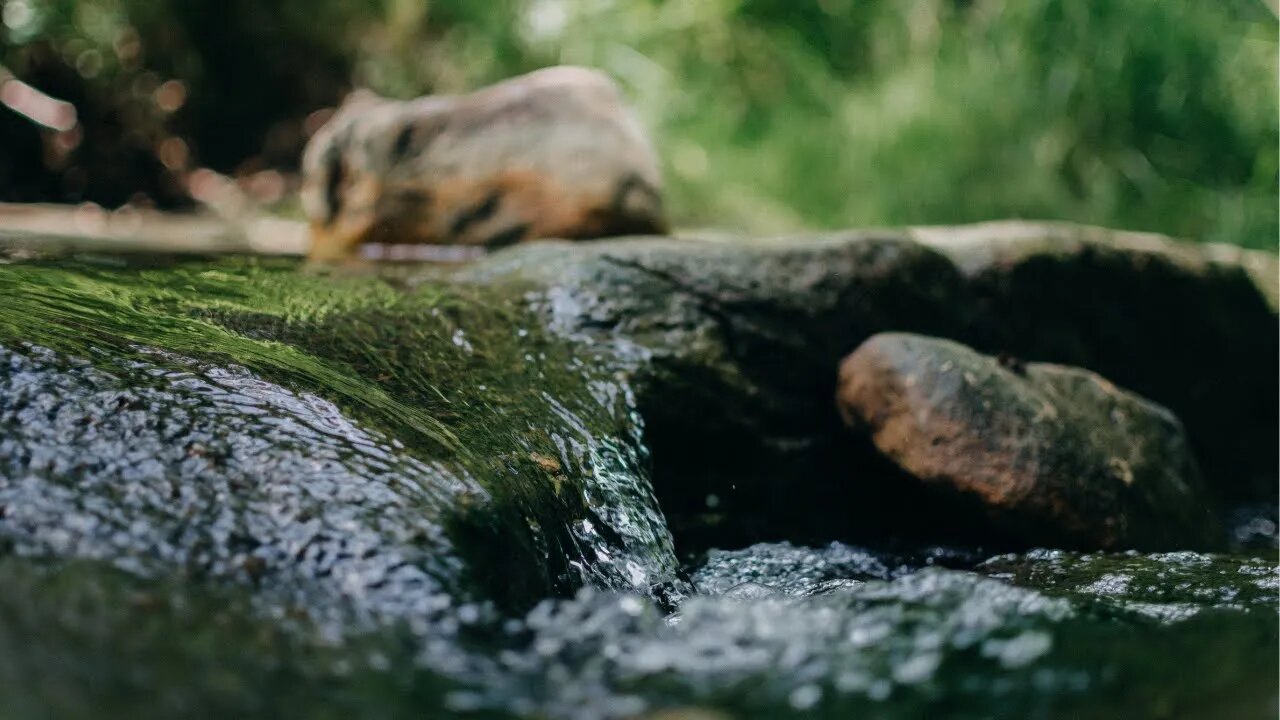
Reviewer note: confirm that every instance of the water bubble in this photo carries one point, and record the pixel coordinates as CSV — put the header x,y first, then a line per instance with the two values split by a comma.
x,y
805,697
1020,650
917,668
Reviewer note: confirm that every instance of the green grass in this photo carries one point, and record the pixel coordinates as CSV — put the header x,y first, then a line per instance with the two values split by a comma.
x,y
1144,115
780,115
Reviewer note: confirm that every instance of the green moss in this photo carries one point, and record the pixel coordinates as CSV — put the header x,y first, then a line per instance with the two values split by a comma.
x,y
461,374
112,314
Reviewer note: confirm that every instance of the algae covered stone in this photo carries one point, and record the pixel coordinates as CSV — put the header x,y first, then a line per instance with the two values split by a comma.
x,y
1051,454
255,489
339,439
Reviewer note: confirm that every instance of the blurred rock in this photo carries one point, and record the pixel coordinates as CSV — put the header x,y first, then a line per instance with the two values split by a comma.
x,y
1052,455
554,153
36,228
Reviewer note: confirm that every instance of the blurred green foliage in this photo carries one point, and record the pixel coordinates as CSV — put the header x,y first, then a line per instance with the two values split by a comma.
x,y
770,115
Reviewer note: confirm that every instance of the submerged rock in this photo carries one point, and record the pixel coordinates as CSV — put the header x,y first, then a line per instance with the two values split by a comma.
x,y
1163,586
1015,636
1053,455
554,153
972,642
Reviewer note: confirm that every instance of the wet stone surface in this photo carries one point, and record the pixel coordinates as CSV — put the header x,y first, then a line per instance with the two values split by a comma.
x,y
214,472
243,488
394,452
1051,454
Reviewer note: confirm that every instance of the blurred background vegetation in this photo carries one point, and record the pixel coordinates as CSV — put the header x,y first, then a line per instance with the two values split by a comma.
x,y
770,115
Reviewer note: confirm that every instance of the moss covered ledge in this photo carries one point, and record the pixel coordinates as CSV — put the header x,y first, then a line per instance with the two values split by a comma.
x,y
242,486
242,417
492,432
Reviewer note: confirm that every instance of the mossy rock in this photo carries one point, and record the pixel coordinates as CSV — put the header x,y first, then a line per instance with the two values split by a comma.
x,y
239,417
404,447
1192,327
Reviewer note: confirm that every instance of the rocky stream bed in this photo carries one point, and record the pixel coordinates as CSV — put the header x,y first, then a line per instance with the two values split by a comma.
x,y
611,480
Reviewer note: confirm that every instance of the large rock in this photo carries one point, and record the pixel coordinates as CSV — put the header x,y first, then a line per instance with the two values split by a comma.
x,y
736,343
339,440
705,366
341,473
738,338
1192,327
555,153
1053,455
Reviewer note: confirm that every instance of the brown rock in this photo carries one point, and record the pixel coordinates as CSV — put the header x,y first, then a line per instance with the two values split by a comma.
x,y
554,153
1191,326
1051,454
